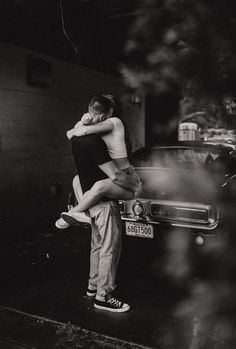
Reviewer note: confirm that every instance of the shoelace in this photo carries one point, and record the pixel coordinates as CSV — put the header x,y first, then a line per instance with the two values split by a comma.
x,y
115,302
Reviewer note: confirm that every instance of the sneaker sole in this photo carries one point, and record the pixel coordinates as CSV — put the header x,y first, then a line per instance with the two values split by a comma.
x,y
71,220
91,294
120,310
61,227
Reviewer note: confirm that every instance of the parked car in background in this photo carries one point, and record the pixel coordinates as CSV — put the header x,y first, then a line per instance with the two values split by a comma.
x,y
190,186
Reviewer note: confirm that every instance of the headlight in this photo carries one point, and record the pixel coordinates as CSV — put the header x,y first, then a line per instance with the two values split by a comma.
x,y
138,208
122,206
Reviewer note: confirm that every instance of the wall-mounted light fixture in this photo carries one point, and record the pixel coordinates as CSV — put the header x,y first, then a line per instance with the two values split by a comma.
x,y
135,99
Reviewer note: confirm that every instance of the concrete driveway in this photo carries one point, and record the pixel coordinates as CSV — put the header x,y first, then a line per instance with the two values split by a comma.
x,y
47,277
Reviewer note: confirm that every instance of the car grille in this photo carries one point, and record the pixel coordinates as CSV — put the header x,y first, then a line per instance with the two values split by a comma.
x,y
179,213
199,216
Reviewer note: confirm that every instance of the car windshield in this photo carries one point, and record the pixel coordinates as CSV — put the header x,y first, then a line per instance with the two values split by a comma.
x,y
176,155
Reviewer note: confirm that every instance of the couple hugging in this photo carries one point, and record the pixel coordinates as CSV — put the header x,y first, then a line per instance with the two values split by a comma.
x,y
104,176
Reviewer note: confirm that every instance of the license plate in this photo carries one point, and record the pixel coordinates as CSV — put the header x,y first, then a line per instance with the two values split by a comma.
x,y
142,230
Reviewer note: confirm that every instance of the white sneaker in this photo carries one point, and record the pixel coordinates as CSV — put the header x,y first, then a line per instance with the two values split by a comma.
x,y
72,217
61,224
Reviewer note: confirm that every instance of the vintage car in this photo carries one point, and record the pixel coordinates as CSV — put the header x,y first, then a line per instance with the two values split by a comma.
x,y
189,186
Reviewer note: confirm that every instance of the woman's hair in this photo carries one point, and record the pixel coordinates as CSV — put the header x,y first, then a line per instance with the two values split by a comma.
x,y
115,105
103,105
117,112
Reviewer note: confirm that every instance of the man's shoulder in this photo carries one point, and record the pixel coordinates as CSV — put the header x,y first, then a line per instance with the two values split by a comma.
x,y
88,140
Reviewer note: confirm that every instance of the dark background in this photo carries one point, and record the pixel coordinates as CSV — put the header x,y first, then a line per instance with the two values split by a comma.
x,y
97,29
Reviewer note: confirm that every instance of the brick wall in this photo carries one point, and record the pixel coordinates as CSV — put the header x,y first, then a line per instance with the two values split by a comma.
x,y
34,151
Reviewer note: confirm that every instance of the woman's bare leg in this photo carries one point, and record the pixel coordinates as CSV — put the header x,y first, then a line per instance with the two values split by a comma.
x,y
103,188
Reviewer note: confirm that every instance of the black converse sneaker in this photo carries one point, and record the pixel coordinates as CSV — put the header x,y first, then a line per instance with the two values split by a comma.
x,y
91,293
111,304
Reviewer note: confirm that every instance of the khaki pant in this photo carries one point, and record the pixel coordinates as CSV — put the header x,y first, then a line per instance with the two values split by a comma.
x,y
105,243
105,246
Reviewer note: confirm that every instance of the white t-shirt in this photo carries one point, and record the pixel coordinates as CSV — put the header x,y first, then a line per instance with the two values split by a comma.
x,y
115,140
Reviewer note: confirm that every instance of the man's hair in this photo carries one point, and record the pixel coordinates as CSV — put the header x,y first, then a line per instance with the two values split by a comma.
x,y
100,104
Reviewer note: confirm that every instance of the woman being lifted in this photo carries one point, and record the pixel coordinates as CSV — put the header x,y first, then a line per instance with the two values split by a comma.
x,y
124,183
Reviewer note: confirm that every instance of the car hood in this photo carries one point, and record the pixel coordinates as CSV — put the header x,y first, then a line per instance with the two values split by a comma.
x,y
178,184
190,174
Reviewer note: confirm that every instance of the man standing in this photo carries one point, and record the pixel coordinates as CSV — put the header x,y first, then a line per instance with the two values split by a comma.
x,y
93,164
